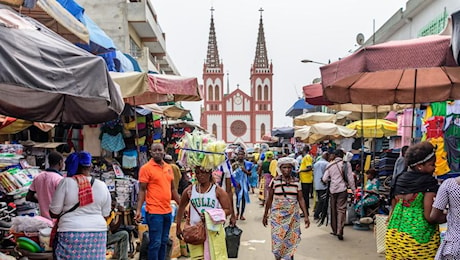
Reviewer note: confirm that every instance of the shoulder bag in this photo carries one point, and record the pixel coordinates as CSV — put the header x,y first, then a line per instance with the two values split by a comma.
x,y
196,234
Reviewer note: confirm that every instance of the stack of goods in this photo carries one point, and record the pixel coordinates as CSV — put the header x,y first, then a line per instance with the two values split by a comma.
x,y
387,163
124,189
157,129
201,149
15,179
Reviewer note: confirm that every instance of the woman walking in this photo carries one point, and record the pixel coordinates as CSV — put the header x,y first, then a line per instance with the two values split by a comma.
x,y
80,203
282,205
204,195
412,233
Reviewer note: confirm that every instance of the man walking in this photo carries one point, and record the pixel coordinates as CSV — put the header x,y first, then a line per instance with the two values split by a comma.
x,y
241,171
306,175
44,185
318,172
156,188
340,175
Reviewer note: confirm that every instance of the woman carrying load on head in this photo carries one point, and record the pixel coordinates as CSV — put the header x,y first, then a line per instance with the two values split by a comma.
x,y
282,206
412,233
204,195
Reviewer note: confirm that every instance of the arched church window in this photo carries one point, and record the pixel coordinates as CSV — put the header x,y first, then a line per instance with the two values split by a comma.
x,y
259,92
210,93
217,94
266,92
262,130
214,130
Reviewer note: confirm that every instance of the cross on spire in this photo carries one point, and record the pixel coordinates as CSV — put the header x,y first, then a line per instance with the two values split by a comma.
x,y
261,59
212,57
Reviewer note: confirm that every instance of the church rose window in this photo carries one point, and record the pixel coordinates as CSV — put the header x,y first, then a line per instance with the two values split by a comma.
x,y
238,128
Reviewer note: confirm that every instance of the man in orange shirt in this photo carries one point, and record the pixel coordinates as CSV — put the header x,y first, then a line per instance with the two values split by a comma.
x,y
156,188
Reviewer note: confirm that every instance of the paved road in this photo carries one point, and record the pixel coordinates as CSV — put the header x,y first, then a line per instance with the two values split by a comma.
x,y
316,244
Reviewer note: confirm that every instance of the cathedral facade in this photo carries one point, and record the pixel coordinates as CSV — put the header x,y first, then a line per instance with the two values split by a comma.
x,y
238,117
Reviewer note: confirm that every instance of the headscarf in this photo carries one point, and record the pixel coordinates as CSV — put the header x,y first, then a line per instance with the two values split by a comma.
x,y
77,159
283,161
269,154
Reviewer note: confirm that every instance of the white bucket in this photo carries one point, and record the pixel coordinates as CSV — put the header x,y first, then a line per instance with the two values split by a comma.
x,y
44,238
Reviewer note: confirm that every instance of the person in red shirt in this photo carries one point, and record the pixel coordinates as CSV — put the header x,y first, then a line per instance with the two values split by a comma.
x,y
156,188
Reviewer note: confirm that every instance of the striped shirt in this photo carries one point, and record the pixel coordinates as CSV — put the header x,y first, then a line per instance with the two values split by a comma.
x,y
283,189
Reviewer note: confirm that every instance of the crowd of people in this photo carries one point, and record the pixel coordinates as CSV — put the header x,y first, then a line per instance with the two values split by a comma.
x,y
84,209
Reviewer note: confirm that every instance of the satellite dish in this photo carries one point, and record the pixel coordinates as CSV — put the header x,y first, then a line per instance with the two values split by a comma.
x,y
360,39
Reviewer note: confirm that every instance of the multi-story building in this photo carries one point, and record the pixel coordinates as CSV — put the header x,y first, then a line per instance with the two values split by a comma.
x,y
238,116
134,28
419,18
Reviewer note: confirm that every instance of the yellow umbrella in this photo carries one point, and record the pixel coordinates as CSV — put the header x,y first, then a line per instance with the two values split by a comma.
x,y
374,128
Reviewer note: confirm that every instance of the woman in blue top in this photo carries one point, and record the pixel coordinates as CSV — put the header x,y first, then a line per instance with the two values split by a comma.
x,y
254,178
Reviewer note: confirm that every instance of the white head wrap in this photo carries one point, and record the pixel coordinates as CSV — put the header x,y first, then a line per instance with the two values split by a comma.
x,y
283,161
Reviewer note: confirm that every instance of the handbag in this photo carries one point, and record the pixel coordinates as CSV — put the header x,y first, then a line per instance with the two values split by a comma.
x,y
196,234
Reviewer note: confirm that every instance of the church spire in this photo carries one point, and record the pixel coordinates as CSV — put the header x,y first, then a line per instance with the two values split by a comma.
x,y
261,59
212,57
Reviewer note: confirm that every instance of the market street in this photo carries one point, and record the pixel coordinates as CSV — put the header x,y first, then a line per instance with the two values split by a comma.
x,y
316,244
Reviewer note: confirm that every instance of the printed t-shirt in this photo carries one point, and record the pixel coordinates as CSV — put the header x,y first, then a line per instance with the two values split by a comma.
x,y
158,178
306,177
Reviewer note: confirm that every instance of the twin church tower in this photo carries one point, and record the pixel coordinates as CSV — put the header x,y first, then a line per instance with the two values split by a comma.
x,y
237,116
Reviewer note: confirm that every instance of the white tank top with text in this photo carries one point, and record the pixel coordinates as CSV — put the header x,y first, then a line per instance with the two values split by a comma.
x,y
202,201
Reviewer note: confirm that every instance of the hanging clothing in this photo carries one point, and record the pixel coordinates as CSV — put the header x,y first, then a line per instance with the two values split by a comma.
x,y
452,125
442,167
434,127
91,141
112,143
439,108
453,152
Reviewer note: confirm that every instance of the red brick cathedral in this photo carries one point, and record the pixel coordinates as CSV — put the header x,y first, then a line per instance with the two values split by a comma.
x,y
237,116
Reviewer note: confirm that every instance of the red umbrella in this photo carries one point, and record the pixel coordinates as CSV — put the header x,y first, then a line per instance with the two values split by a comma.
x,y
424,52
402,86
314,95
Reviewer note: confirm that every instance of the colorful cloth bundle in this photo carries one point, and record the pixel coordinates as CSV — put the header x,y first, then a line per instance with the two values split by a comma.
x,y
201,149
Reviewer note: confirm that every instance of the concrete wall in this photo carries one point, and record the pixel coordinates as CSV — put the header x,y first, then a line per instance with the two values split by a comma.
x,y
111,16
406,23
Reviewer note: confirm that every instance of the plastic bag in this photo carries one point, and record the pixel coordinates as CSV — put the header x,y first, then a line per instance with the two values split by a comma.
x,y
232,240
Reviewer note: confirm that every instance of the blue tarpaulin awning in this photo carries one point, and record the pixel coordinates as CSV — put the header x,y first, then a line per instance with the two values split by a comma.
x,y
99,41
299,108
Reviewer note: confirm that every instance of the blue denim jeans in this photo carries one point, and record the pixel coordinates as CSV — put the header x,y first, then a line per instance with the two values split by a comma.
x,y
159,225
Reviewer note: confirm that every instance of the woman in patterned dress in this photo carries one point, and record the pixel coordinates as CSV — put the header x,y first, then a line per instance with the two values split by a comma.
x,y
448,196
284,198
412,233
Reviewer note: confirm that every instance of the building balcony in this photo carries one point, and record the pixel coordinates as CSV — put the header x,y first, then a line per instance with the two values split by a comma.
x,y
142,17
167,66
